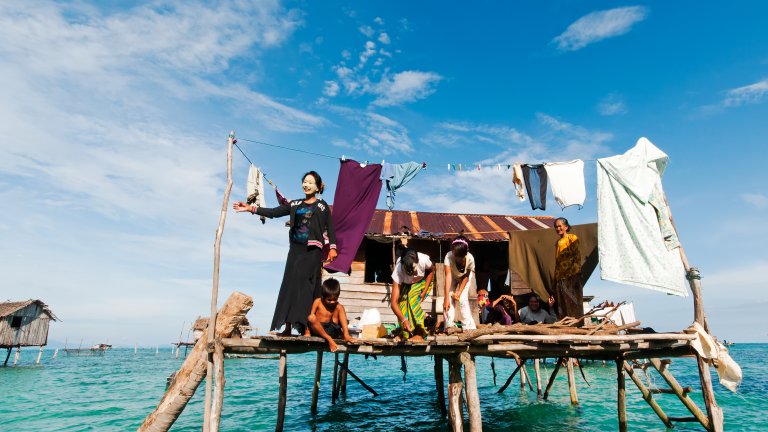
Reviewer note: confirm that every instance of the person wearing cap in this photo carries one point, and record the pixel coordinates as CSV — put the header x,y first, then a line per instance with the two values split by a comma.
x,y
411,282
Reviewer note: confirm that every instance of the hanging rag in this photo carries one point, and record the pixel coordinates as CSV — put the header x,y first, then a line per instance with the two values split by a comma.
x,y
536,185
637,243
567,182
254,189
396,176
717,355
357,192
517,181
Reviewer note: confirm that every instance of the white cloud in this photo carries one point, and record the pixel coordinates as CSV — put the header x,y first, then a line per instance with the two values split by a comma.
x,y
370,49
366,30
600,25
403,87
382,135
331,88
384,38
612,105
756,199
749,94
378,21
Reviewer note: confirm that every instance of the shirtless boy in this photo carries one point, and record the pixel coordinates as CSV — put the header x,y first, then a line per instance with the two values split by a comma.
x,y
327,318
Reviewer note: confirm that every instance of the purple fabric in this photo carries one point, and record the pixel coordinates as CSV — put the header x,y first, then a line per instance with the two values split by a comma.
x,y
357,192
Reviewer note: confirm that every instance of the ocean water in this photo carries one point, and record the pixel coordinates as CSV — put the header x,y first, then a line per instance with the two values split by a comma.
x,y
115,392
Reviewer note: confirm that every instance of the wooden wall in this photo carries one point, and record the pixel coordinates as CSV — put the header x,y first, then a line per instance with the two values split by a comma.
x,y
33,330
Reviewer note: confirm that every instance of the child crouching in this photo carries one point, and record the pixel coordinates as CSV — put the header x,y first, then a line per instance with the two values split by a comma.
x,y
327,318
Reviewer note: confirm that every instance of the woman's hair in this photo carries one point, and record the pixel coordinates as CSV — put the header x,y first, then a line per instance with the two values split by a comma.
x,y
459,246
331,288
318,180
565,221
408,260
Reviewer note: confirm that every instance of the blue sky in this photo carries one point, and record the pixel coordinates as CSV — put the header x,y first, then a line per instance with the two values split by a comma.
x,y
114,125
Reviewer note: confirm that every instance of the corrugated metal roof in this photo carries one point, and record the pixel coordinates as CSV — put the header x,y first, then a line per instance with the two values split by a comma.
x,y
477,227
9,307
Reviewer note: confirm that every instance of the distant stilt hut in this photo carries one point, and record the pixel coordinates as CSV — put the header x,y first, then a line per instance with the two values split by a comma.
x,y
24,323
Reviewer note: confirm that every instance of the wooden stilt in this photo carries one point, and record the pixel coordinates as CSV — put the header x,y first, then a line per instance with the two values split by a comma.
x,y
218,390
356,378
714,412
215,290
537,370
439,384
17,355
622,396
572,382
683,396
335,390
552,377
344,371
455,415
283,397
55,353
527,377
522,377
7,357
316,386
647,395
193,369
509,380
473,397
39,355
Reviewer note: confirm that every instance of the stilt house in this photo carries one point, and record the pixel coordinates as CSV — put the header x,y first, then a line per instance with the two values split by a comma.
x,y
369,284
24,323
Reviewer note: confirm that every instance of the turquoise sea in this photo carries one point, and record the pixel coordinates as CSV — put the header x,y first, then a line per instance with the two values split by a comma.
x,y
115,392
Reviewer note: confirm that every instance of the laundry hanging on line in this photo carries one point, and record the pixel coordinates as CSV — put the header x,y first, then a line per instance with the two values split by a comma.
x,y
255,190
536,185
567,182
396,176
357,192
517,181
637,243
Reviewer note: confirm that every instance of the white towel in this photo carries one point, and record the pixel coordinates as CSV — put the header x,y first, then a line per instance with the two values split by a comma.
x,y
717,355
567,182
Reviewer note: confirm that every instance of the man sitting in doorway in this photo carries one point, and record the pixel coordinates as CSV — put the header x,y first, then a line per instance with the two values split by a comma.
x,y
534,314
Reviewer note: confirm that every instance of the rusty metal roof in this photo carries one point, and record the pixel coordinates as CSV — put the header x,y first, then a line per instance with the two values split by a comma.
x,y
477,227
9,307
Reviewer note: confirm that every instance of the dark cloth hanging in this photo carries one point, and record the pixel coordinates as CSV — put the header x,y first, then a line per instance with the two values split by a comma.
x,y
357,191
532,256
536,185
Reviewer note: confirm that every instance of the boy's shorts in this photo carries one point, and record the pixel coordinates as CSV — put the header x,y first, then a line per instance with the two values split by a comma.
x,y
333,329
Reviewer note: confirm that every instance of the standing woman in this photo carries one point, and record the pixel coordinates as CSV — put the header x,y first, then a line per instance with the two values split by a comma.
x,y
460,278
310,219
567,281
411,282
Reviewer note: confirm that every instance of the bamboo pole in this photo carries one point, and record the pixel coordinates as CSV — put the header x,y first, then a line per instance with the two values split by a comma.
x,y
473,397
522,377
218,390
283,396
215,290
39,355
552,377
440,385
695,410
193,369
647,395
455,415
527,377
622,395
17,355
316,386
572,382
537,370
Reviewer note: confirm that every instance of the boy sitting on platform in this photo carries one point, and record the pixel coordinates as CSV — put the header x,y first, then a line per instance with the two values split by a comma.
x,y
327,317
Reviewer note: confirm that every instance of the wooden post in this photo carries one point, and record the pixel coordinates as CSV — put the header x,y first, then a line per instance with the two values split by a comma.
x,y
193,369
440,383
17,355
527,377
473,397
647,395
552,377
455,415
572,382
39,354
622,396
681,394
7,356
283,397
55,353
218,391
215,290
316,386
538,376
335,390
344,371
522,377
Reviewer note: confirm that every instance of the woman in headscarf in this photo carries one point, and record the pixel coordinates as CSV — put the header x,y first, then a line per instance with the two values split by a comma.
x,y
569,294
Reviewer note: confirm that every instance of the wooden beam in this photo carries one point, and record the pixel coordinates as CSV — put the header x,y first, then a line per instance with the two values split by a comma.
x,y
670,379
473,397
552,377
622,395
316,386
572,382
344,371
439,384
455,415
538,376
509,380
647,395
283,395
218,387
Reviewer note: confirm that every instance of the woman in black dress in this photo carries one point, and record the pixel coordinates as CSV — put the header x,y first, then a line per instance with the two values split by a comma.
x,y
310,223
